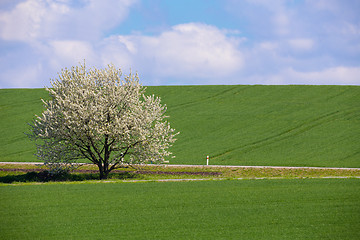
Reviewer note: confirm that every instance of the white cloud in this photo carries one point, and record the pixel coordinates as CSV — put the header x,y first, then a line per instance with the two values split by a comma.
x,y
52,35
269,46
195,50
190,51
301,43
281,21
23,22
311,42
335,75
40,20
65,53
118,50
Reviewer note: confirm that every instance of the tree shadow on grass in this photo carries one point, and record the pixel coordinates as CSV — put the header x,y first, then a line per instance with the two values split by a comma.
x,y
45,176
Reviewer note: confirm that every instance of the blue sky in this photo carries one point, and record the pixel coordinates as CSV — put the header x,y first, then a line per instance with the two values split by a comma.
x,y
173,42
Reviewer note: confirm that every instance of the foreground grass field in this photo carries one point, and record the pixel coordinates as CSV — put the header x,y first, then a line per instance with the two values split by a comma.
x,y
246,209
234,125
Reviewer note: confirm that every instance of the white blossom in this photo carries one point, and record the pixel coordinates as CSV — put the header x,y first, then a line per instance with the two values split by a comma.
x,y
100,116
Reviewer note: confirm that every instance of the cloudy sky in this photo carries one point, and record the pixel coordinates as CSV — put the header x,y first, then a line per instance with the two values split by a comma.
x,y
181,42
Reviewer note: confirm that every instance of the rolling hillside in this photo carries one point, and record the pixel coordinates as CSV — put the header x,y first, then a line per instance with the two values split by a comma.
x,y
234,125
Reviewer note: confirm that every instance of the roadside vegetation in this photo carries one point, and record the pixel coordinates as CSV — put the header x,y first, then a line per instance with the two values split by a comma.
x,y
20,173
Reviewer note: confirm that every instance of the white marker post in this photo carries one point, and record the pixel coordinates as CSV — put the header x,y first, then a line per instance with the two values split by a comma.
x,y
207,160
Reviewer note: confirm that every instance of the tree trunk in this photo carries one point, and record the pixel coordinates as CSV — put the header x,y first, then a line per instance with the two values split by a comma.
x,y
104,175
104,170
101,171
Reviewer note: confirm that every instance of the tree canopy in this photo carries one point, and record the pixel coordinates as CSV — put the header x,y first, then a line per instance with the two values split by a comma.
x,y
101,116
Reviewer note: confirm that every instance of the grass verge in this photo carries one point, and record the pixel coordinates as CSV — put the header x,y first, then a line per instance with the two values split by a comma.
x,y
20,173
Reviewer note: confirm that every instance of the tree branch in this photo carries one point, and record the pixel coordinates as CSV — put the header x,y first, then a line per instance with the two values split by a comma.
x,y
95,148
123,155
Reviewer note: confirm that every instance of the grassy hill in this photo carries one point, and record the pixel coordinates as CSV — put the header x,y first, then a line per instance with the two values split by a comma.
x,y
234,125
17,108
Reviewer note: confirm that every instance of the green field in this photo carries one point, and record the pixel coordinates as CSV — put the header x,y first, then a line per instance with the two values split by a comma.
x,y
17,108
256,209
234,125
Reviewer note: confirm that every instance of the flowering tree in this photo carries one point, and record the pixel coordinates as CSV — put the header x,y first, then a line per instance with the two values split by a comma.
x,y
99,116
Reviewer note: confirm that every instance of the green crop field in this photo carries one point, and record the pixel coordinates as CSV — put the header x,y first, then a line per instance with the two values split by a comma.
x,y
17,108
247,209
234,125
